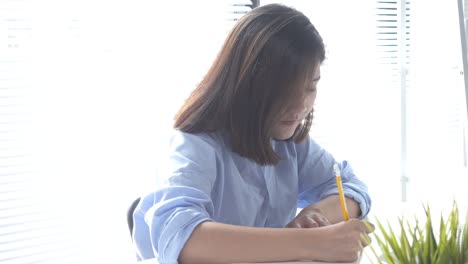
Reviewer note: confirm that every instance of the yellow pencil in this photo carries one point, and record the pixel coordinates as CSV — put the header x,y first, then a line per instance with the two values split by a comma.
x,y
344,209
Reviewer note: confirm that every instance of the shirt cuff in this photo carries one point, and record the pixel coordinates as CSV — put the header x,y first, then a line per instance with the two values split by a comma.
x,y
364,205
175,234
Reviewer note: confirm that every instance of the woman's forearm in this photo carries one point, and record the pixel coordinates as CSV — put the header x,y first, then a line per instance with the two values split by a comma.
x,y
213,242
331,208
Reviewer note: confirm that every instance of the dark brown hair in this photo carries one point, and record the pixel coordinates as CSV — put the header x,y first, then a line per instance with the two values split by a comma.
x,y
267,57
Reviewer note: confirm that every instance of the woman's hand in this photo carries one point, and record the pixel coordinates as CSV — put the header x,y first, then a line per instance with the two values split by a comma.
x,y
309,217
343,241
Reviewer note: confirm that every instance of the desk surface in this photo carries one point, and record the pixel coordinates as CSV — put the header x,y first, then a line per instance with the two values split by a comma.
x,y
153,261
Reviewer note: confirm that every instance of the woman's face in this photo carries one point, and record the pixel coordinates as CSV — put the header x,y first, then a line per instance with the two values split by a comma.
x,y
300,107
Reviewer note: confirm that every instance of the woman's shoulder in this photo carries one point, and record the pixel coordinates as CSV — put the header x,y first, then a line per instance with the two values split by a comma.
x,y
197,141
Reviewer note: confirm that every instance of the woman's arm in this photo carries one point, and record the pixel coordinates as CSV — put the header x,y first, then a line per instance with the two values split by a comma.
x,y
330,207
213,242
325,212
317,182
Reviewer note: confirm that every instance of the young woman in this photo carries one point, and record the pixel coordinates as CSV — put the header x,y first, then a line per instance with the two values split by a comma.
x,y
241,159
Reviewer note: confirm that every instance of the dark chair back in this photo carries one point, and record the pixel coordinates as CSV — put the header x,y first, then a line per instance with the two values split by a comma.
x,y
130,211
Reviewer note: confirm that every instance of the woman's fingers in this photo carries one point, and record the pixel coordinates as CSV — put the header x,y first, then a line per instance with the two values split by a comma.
x,y
310,223
323,221
309,220
294,224
369,227
365,240
363,229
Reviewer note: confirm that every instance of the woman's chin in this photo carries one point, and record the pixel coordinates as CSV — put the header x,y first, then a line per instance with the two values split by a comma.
x,y
283,135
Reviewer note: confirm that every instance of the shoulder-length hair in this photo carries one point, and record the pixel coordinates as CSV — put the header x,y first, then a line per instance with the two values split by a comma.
x,y
267,58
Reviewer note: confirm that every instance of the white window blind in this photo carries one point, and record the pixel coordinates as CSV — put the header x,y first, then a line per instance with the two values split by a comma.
x,y
436,115
390,100
29,231
393,43
88,94
236,9
88,91
358,113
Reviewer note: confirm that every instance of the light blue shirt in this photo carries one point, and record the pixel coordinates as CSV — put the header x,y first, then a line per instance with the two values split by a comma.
x,y
209,182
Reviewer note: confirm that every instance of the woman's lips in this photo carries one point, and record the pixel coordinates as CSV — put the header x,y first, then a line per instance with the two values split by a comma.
x,y
288,122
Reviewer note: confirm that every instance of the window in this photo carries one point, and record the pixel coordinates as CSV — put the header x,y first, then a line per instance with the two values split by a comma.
x,y
358,110
391,100
88,90
436,116
30,230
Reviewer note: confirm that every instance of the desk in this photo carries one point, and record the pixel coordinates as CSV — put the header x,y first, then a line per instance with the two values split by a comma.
x,y
153,261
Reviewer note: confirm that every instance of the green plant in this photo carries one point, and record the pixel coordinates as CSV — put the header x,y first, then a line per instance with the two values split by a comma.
x,y
423,244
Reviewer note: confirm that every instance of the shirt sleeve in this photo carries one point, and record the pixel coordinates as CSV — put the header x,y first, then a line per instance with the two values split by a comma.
x,y
166,218
317,178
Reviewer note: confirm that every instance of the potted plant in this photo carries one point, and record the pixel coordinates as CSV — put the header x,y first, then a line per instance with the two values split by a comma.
x,y
414,242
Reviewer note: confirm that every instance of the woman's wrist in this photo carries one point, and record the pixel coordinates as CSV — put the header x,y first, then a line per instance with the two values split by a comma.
x,y
306,243
215,242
